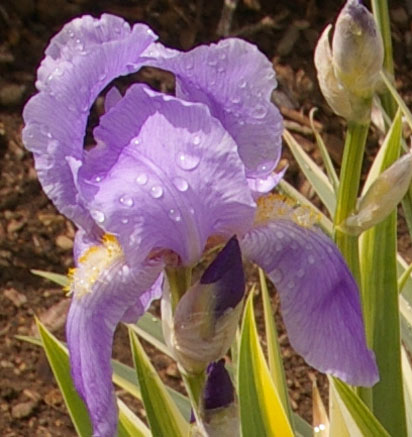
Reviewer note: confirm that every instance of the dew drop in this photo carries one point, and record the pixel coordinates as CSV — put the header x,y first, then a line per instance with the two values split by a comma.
x,y
277,275
156,191
259,111
300,273
235,99
187,161
174,215
212,62
98,179
141,179
221,69
222,56
127,201
98,216
279,234
311,259
262,168
181,184
196,140
135,141
125,221
102,76
242,83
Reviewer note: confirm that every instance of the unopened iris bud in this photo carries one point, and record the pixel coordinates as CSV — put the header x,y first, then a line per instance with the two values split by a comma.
x,y
348,73
205,320
219,413
382,197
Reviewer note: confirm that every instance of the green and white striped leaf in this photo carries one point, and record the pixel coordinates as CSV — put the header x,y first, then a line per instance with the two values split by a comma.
x,y
261,410
359,421
313,173
58,359
163,415
57,278
275,359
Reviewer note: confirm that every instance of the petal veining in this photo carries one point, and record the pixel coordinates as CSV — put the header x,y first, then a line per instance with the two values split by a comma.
x,y
319,297
235,81
80,61
169,176
101,298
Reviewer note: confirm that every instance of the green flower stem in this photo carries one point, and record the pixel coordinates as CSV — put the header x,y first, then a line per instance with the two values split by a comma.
x,y
348,192
194,384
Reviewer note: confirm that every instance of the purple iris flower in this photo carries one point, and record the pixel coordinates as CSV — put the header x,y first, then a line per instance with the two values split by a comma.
x,y
167,175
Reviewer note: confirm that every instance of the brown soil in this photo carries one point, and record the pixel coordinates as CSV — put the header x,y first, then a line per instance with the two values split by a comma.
x,y
34,235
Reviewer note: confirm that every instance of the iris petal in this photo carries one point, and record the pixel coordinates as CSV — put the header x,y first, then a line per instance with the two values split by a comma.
x,y
80,61
118,293
319,297
235,81
167,176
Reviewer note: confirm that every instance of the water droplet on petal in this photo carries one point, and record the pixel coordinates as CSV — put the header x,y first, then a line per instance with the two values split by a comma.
x,y
235,99
242,83
135,141
222,56
98,179
277,275
127,201
279,234
187,161
196,140
221,69
156,191
125,221
142,179
102,76
181,184
300,273
311,259
98,216
174,215
259,111
212,62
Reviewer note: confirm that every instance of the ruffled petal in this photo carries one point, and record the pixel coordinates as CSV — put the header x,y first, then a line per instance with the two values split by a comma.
x,y
165,175
236,81
320,299
97,307
80,61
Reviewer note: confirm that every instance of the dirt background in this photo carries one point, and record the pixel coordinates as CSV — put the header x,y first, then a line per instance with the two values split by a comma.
x,y
34,236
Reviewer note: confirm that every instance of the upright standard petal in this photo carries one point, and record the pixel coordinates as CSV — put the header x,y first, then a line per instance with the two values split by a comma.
x,y
165,175
236,81
105,291
80,61
319,297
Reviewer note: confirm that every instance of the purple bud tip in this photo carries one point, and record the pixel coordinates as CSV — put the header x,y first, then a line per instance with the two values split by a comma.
x,y
226,273
218,391
361,16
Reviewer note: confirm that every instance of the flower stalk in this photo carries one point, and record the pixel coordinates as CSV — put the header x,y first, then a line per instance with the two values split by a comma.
x,y
348,192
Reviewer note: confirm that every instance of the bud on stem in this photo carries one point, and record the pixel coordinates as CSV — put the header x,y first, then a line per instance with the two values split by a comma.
x,y
348,73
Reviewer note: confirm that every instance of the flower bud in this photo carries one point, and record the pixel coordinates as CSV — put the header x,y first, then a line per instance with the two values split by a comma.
x,y
219,412
348,73
382,197
206,317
